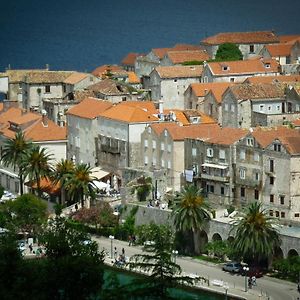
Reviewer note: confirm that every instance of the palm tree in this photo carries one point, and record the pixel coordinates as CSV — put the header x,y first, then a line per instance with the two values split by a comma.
x,y
190,211
13,153
79,183
36,165
255,238
62,171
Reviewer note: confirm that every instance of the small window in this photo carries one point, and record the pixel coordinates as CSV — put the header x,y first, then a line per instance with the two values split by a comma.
x,y
256,194
232,108
232,79
250,142
225,68
166,132
271,165
210,152
272,179
47,89
261,108
282,200
212,188
154,161
282,214
64,88
242,154
162,146
271,213
267,65
297,215
226,107
222,190
256,156
149,129
146,160
271,198
251,48
256,176
242,173
146,143
277,214
162,163
243,192
277,147
194,151
222,154
175,80
169,148
154,144
169,164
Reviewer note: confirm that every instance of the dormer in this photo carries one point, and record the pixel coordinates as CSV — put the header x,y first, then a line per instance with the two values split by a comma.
x,y
267,65
14,127
225,67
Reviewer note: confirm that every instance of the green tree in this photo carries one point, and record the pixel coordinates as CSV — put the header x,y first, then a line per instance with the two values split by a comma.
x,y
36,165
13,153
256,238
218,248
190,211
228,51
62,171
79,183
26,214
157,261
142,186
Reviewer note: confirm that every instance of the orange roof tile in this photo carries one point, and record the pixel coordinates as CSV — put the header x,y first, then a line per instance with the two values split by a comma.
x,y
270,79
179,71
242,38
288,38
228,136
128,114
102,70
75,78
1,106
265,91
133,78
160,52
145,105
179,47
216,88
179,57
109,87
244,67
130,58
291,143
89,108
279,49
46,185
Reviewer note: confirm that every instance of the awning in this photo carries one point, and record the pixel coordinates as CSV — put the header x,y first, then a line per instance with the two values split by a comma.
x,y
215,166
100,185
99,173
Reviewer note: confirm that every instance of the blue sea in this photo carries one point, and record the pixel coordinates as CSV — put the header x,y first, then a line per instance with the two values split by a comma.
x,y
83,34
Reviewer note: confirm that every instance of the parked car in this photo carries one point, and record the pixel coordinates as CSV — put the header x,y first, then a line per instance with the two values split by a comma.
x,y
233,267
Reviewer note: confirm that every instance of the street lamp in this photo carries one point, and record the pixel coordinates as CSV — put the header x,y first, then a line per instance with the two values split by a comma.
x,y
111,245
246,269
226,287
175,253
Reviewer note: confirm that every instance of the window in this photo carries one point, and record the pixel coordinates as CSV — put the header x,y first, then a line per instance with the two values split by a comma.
x,y
256,156
256,176
272,179
256,194
243,192
242,154
297,215
162,163
277,214
212,188
222,154
222,190
271,198
149,129
282,200
209,152
267,65
251,48
269,107
205,79
165,132
271,213
169,148
226,107
249,142
232,108
64,88
162,146
232,79
154,161
169,164
282,214
154,144
225,68
17,186
47,88
7,182
271,164
146,160
242,173
146,143
277,147
194,151
261,108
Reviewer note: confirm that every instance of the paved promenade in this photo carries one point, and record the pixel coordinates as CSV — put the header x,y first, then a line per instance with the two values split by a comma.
x,y
266,288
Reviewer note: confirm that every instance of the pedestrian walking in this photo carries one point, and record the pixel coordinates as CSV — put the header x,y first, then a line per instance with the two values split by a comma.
x,y
129,240
249,283
115,253
123,251
253,279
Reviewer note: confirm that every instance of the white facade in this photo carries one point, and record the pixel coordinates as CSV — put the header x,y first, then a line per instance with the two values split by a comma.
x,y
4,85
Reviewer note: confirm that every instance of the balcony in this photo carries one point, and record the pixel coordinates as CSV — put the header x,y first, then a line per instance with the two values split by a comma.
x,y
110,149
215,172
213,177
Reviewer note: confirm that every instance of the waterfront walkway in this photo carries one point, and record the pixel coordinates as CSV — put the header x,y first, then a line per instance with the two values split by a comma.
x,y
220,281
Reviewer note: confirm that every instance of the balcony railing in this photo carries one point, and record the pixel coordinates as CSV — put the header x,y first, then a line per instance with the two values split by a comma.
x,y
215,177
110,149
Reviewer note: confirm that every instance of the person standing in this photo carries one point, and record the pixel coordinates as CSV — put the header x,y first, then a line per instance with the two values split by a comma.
x,y
115,253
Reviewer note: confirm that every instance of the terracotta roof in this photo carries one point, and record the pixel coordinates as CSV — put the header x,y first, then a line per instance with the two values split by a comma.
x,y
109,87
288,38
216,88
19,75
266,135
179,71
251,91
160,52
270,79
130,58
102,70
89,108
242,38
133,78
75,77
128,114
47,76
204,119
250,66
80,95
46,185
279,49
187,47
179,57
179,133
228,136
291,143
32,126
180,116
145,105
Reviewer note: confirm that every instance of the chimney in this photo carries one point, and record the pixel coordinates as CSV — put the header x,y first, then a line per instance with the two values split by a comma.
x,y
47,67
44,118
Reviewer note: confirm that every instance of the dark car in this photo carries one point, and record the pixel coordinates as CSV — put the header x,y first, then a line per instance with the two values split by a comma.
x,y
233,267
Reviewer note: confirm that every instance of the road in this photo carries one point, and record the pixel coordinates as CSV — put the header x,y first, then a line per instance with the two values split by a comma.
x,y
266,288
